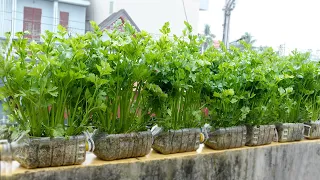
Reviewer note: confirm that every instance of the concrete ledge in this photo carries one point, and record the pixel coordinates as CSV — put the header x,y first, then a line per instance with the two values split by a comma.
x,y
278,161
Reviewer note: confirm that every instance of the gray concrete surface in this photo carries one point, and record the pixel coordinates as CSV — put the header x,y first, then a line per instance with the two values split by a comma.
x,y
289,161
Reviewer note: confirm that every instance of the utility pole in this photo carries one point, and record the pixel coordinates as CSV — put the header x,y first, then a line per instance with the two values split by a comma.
x,y
229,6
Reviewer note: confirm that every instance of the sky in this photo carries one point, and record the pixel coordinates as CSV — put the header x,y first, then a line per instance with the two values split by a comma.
x,y
295,23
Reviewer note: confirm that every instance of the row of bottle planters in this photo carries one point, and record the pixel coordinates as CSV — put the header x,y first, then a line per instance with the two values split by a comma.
x,y
46,152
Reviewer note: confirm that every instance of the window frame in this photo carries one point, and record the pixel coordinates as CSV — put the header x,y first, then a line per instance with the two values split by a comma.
x,y
32,22
63,22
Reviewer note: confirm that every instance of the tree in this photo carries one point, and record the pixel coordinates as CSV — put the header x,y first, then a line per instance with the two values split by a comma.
x,y
247,38
208,37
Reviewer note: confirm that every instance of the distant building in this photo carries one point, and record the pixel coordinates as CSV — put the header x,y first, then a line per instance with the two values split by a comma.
x,y
122,15
36,16
150,15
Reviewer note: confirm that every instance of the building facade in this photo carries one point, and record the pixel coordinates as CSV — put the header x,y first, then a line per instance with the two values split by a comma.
x,y
37,16
150,15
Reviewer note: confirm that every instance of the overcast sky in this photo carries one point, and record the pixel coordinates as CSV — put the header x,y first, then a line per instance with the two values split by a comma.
x,y
272,22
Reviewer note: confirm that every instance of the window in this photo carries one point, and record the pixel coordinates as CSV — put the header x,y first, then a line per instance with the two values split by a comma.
x,y
32,22
111,7
64,19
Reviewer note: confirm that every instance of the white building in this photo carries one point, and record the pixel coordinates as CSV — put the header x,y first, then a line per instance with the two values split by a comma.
x,y
36,16
150,15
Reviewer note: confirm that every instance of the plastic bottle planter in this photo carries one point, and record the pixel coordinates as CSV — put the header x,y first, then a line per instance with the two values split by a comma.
x,y
177,141
4,132
46,152
119,146
288,132
5,160
227,138
312,130
260,135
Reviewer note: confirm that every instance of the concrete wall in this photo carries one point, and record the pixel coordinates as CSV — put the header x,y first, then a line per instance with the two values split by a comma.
x,y
288,161
150,15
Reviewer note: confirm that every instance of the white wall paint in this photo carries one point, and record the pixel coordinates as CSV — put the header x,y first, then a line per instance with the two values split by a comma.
x,y
47,13
98,10
5,16
150,15
77,16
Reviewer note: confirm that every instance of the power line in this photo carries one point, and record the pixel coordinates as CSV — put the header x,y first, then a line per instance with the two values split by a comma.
x,y
51,17
185,13
49,24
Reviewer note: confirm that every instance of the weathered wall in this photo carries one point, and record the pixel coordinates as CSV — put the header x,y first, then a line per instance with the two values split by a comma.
x,y
290,161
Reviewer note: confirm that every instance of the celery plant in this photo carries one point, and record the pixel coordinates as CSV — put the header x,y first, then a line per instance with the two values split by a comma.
x,y
45,85
180,73
125,98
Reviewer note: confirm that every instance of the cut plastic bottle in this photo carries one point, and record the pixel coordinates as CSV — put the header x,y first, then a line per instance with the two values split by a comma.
x,y
5,160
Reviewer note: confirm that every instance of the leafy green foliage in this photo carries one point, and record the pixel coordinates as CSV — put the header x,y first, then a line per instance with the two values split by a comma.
x,y
121,63
180,72
298,88
123,81
251,87
46,84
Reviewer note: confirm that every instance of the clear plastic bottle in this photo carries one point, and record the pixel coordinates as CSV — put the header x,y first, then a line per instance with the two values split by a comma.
x,y
6,157
5,160
7,150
